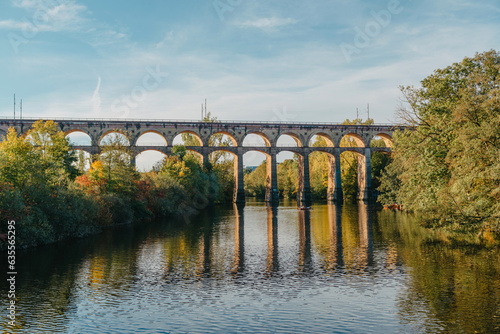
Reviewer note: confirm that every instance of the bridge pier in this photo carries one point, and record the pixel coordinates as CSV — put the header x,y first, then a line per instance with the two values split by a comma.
x,y
304,196
239,187
272,194
334,193
365,192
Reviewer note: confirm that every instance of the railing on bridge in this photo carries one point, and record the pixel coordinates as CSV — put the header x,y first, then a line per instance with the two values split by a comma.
x,y
183,121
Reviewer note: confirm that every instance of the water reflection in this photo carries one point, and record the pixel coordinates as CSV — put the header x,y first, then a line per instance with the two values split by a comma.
x,y
335,256
365,236
272,240
239,239
305,261
260,268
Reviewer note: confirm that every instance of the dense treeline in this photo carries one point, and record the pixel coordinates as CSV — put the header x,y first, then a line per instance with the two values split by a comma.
x,y
255,181
44,191
447,167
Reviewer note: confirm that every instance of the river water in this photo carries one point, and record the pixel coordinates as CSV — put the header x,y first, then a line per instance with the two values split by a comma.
x,y
334,269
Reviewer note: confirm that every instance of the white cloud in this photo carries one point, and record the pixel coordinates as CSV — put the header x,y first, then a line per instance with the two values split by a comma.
x,y
56,16
267,23
14,25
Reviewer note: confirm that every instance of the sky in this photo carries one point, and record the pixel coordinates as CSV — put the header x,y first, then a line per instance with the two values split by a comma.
x,y
255,60
265,60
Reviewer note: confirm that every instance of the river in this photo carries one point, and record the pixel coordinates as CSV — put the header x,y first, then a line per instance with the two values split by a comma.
x,y
334,269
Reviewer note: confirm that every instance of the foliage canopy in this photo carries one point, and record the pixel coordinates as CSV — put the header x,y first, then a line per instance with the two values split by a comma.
x,y
448,165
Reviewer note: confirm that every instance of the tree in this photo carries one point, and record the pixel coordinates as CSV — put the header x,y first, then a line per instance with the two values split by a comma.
x,y
448,163
43,156
119,172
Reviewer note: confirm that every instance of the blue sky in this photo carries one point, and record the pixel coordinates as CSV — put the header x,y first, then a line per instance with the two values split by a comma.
x,y
266,60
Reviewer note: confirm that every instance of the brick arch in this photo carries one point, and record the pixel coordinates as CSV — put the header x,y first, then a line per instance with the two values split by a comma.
x,y
296,136
360,141
227,133
138,135
386,137
330,142
191,132
71,131
111,131
262,135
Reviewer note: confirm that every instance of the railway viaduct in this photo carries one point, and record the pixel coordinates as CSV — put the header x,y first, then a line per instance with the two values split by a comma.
x,y
270,132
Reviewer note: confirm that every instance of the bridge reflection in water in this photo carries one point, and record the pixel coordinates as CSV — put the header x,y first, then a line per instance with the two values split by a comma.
x,y
262,269
356,222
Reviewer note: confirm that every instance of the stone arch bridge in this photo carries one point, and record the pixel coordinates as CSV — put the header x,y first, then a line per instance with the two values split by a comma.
x,y
237,131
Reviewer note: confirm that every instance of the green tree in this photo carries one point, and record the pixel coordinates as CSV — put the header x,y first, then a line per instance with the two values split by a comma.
x,y
448,163
119,172
255,181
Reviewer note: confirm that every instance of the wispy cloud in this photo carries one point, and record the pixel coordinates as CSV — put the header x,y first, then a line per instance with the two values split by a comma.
x,y
267,23
96,98
57,16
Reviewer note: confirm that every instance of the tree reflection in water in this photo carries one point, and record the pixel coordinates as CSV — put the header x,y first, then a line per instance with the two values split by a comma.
x,y
376,268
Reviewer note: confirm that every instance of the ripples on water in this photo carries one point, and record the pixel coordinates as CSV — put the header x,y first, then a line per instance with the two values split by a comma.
x,y
256,270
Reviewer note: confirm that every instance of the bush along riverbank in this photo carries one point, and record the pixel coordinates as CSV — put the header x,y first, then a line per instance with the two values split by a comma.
x,y
44,189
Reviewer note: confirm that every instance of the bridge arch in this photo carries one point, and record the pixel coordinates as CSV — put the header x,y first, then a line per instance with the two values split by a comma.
x,y
146,159
323,135
143,139
118,134
357,138
84,159
79,137
254,134
225,134
177,138
281,138
387,138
